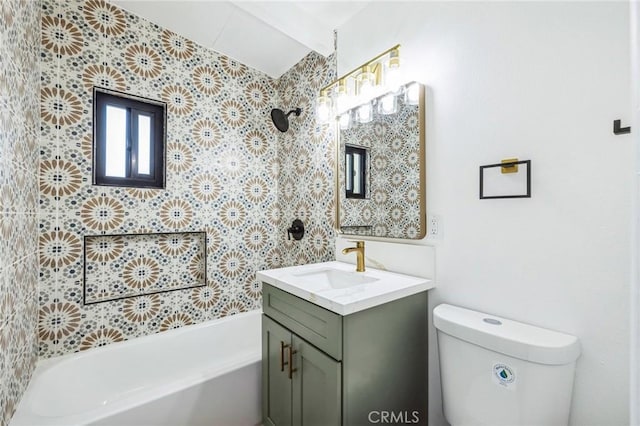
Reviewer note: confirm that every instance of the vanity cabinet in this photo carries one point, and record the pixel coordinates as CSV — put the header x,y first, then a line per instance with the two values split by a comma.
x,y
322,368
306,391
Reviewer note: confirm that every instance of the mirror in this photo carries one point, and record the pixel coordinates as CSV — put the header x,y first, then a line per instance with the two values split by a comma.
x,y
381,167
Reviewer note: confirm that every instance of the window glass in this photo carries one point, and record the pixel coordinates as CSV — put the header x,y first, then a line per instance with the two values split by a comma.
x,y
116,138
144,145
349,174
357,173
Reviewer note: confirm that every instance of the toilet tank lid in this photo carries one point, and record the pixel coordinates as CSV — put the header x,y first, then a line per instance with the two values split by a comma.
x,y
513,338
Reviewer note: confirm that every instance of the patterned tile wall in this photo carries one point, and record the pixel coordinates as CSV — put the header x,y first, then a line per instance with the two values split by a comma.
x,y
119,266
392,206
221,172
225,165
306,158
19,97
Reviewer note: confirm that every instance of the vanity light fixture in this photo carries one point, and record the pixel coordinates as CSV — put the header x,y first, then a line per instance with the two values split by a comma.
x,y
378,76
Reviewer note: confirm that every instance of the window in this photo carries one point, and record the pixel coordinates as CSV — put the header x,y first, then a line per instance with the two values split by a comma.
x,y
128,140
355,171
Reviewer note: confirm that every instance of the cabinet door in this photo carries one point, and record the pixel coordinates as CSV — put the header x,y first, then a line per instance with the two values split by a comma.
x,y
317,386
276,385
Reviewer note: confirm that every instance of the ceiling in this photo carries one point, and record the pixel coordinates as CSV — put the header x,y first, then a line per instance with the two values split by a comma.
x,y
268,36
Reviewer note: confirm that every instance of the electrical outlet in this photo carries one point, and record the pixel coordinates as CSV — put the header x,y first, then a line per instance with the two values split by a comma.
x,y
434,226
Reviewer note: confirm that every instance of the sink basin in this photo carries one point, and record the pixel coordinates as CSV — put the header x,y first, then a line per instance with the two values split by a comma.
x,y
336,286
335,278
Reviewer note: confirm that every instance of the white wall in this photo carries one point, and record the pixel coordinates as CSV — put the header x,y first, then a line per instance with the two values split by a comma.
x,y
635,254
539,81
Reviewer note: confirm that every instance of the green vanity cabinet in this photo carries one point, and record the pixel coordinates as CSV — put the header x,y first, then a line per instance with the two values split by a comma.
x,y
322,368
277,387
308,395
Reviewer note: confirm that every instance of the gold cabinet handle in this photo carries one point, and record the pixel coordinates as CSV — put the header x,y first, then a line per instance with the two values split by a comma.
x,y
283,346
291,369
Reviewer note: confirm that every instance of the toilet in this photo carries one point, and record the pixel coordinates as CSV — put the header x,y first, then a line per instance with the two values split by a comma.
x,y
496,371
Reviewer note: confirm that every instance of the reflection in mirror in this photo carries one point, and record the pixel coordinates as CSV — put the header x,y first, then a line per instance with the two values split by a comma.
x,y
355,171
381,184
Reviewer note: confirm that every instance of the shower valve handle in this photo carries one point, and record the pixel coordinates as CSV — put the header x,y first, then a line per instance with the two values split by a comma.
x,y
296,230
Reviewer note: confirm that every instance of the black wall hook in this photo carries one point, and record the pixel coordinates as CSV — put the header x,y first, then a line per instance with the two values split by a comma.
x,y
617,130
296,230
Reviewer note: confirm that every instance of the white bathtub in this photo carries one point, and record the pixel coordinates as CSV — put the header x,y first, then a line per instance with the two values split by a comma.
x,y
204,374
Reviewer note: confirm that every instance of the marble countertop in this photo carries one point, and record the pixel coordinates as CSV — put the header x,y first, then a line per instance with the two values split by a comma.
x,y
337,287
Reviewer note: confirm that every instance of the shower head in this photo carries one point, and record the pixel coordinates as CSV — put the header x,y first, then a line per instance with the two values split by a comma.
x,y
281,120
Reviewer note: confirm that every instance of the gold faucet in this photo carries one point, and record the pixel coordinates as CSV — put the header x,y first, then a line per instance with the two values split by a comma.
x,y
359,249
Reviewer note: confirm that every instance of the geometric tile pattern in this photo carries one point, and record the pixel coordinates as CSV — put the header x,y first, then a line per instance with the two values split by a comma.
x,y
221,179
118,266
392,206
19,117
226,168
306,159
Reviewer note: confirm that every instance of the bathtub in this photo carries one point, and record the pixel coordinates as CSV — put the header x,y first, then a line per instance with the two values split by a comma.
x,y
204,374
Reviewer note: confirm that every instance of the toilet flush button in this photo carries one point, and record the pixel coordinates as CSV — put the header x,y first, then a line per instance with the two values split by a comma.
x,y
492,321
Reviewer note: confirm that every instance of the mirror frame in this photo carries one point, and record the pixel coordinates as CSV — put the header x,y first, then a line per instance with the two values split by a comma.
x,y
423,180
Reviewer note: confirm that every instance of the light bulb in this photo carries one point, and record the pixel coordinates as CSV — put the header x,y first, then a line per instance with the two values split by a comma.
x,y
366,81
364,114
366,89
342,98
412,94
393,79
345,121
392,71
388,104
323,108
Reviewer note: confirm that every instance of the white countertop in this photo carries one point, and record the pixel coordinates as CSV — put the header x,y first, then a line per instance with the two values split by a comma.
x,y
384,286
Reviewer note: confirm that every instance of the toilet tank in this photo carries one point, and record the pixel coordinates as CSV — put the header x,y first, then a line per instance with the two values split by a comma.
x,y
496,371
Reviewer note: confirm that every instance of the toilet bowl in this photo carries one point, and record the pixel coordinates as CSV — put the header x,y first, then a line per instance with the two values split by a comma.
x,y
496,371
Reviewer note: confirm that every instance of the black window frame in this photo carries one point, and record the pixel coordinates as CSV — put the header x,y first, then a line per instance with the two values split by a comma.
x,y
135,106
349,152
